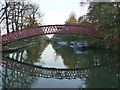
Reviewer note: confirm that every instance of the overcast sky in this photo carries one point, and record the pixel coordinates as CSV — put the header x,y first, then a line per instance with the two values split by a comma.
x,y
57,11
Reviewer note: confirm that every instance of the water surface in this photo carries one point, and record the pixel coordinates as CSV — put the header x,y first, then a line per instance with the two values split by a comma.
x,y
58,67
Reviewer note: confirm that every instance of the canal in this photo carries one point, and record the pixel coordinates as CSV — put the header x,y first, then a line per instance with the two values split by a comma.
x,y
55,66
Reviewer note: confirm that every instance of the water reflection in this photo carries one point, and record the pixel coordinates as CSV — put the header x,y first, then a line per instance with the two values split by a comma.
x,y
49,58
78,52
0,74
63,57
95,69
28,54
18,74
94,57
13,75
53,83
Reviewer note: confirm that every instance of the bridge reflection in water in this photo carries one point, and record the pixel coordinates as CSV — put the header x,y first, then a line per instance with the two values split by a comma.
x,y
23,75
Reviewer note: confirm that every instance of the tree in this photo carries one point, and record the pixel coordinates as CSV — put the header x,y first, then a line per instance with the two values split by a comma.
x,y
4,14
106,16
33,16
19,15
72,19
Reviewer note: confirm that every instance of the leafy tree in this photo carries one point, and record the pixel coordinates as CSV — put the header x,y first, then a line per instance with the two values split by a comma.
x,y
19,15
106,16
72,19
103,15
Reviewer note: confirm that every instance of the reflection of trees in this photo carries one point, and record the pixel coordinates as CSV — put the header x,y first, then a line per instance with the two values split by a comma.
x,y
16,79
15,74
93,58
105,78
35,52
28,55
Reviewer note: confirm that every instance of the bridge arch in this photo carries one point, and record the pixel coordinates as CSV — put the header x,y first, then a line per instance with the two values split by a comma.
x,y
51,29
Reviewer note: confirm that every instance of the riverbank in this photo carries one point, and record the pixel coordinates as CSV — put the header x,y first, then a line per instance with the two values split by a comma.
x,y
17,45
114,48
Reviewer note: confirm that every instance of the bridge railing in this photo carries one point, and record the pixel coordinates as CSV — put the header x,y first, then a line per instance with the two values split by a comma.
x,y
51,29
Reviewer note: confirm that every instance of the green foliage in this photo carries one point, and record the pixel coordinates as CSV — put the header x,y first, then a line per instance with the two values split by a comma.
x,y
103,15
71,59
72,20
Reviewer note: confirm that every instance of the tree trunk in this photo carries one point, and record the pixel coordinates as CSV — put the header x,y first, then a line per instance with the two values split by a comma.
x,y
13,23
21,20
17,21
7,17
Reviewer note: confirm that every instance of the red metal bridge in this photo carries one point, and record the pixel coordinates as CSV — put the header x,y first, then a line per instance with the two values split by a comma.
x,y
51,29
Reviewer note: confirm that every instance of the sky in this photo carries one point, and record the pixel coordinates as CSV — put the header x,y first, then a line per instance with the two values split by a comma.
x,y
58,11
